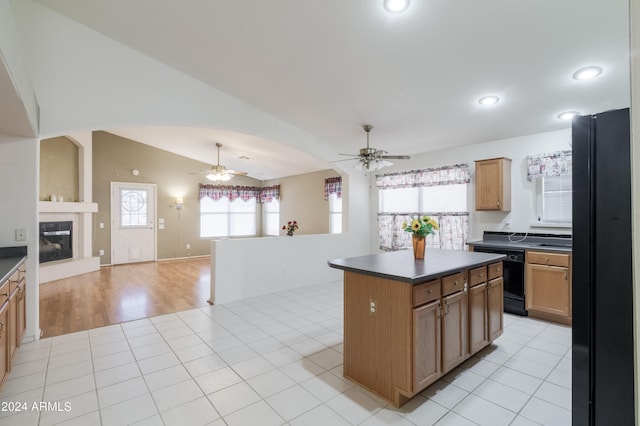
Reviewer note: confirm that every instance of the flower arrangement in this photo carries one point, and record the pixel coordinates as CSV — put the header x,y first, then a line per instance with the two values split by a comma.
x,y
421,226
290,227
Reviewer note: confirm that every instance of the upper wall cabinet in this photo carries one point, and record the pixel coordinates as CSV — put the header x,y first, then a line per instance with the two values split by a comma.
x,y
493,184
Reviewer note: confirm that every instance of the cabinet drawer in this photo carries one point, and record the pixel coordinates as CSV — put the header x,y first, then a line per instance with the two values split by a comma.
x,y
546,258
495,270
426,292
477,276
453,283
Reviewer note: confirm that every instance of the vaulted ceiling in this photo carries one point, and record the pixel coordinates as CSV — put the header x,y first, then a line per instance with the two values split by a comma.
x,y
330,66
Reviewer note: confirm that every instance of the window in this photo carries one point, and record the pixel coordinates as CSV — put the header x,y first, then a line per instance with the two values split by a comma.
x,y
223,218
133,208
272,217
428,199
335,214
553,200
439,192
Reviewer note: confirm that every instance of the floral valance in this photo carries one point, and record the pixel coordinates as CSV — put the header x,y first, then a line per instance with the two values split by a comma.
x,y
215,192
447,175
333,185
269,193
552,164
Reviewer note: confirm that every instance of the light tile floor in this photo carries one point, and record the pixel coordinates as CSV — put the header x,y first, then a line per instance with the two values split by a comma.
x,y
273,360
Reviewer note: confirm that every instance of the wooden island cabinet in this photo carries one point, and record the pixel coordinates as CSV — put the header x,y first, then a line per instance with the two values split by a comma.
x,y
408,322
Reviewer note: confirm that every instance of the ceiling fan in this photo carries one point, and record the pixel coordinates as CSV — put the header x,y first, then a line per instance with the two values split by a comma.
x,y
218,172
372,158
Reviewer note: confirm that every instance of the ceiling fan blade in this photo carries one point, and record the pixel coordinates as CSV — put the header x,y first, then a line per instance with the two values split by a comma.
x,y
396,157
350,155
233,172
355,157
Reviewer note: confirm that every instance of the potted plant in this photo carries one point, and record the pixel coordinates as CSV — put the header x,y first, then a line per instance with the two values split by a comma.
x,y
420,227
290,227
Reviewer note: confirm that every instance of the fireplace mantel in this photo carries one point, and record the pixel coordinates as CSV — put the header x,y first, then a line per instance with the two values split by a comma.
x,y
66,207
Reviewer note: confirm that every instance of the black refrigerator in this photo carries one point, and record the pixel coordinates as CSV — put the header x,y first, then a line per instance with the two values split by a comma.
x,y
603,348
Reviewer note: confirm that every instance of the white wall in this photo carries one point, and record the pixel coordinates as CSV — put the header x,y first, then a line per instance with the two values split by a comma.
x,y
243,268
522,213
19,192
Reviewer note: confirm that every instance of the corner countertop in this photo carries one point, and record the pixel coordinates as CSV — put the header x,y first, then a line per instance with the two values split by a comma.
x,y
506,245
8,265
524,241
401,266
10,259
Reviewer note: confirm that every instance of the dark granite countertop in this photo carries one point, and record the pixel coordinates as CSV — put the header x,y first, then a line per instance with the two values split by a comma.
x,y
10,258
525,241
401,266
8,265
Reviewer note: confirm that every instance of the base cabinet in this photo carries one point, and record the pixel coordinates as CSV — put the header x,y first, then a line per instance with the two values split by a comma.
x,y
478,325
548,286
4,343
455,347
427,365
12,318
495,307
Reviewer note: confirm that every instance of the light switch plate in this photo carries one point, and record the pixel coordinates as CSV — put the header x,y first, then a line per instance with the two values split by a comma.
x,y
21,234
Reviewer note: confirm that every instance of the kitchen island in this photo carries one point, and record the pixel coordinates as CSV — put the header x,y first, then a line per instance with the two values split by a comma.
x,y
408,322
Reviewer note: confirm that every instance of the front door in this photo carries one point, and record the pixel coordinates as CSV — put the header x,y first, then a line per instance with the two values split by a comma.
x,y
133,231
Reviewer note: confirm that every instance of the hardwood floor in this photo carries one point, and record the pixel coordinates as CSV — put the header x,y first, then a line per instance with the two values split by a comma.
x,y
121,293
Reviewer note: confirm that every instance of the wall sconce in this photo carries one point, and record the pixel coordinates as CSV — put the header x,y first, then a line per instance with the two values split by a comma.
x,y
178,204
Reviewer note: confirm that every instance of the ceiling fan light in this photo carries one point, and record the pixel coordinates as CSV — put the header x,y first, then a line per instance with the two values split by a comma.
x,y
216,177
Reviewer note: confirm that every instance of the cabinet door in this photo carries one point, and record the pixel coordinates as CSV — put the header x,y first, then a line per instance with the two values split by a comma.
x,y
495,307
427,364
4,342
478,319
548,289
21,313
11,329
455,341
493,184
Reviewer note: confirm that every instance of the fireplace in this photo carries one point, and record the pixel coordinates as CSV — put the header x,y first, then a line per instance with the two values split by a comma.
x,y
55,241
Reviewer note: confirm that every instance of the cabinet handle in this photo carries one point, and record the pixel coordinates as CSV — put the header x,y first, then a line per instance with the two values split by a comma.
x,y
430,291
446,308
498,203
1,329
455,282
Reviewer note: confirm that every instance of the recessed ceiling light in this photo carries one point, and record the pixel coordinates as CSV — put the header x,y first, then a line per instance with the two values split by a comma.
x,y
396,6
587,73
568,115
488,100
